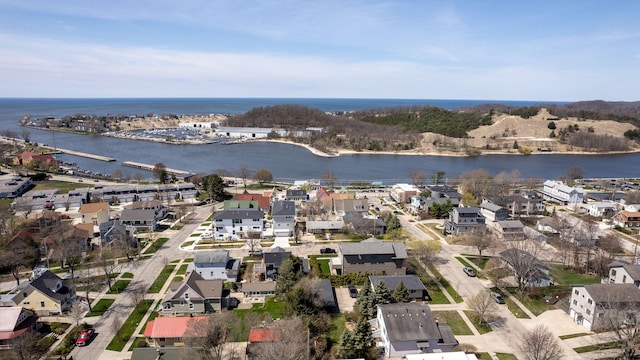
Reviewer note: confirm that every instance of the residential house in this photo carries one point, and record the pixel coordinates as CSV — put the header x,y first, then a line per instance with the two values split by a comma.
x,y
370,256
157,206
297,195
146,192
595,306
548,225
258,290
520,204
15,321
113,230
272,260
443,192
215,264
401,193
627,220
419,203
238,223
451,355
465,220
22,243
537,273
240,204
602,208
622,273
260,337
140,219
364,224
411,328
493,212
117,194
326,295
632,207
35,160
329,197
95,213
283,214
342,207
172,330
557,191
186,191
264,202
46,294
508,230
194,295
417,290
325,226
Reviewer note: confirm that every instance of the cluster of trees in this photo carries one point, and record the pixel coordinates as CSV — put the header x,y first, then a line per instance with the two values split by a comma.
x,y
368,300
427,119
339,131
596,142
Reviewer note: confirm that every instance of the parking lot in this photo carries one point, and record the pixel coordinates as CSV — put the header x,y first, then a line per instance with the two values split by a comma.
x,y
345,302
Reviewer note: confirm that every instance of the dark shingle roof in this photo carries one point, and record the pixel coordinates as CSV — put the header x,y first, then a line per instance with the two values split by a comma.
x,y
411,282
632,270
374,246
613,293
48,281
282,208
239,214
414,321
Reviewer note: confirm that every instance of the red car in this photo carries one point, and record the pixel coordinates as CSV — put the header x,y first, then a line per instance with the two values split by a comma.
x,y
85,337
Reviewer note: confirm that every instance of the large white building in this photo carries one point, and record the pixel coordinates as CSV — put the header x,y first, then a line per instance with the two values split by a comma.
x,y
558,192
238,223
402,193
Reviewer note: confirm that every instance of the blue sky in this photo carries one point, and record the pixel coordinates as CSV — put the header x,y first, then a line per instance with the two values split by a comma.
x,y
493,50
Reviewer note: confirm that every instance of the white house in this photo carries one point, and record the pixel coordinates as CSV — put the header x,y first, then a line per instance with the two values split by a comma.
x,y
410,328
594,305
558,192
238,223
621,273
601,208
217,264
283,214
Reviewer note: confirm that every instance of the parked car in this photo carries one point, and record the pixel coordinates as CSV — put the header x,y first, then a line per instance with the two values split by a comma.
x,y
327,250
353,292
206,235
85,337
497,297
469,271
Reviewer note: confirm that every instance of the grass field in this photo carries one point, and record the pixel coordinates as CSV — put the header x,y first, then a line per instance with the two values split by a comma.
x,y
100,307
156,245
129,326
118,286
454,320
161,279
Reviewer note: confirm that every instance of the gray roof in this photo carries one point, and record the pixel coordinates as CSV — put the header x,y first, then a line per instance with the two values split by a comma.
x,y
632,270
491,207
276,256
325,293
613,292
411,282
467,210
374,246
137,214
517,256
166,353
283,208
414,321
47,281
259,286
510,224
296,193
206,289
239,214
211,257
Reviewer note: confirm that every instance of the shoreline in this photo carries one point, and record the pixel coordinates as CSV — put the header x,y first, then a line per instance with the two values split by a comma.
x,y
208,139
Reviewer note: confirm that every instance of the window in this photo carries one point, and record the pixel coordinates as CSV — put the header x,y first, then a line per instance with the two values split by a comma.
x,y
575,302
186,296
588,312
24,294
41,303
613,272
25,303
191,306
590,301
576,292
624,278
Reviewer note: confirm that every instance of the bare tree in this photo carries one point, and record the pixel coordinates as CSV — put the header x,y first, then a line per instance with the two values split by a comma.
x,y
108,261
290,344
480,241
483,305
621,317
25,134
243,173
522,257
418,177
495,271
76,312
426,251
66,249
209,338
136,291
330,179
28,346
574,173
160,172
540,344
23,206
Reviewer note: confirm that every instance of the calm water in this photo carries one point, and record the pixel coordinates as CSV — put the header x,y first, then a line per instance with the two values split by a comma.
x,y
286,162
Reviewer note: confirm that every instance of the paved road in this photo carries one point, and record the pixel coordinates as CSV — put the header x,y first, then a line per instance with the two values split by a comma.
x,y
145,272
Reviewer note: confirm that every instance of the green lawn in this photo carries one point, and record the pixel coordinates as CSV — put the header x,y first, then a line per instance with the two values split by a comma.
x,y
100,307
454,320
188,260
156,245
118,286
161,279
63,186
596,347
272,306
127,275
564,276
505,356
571,336
324,266
182,269
483,356
473,316
454,294
437,297
129,326
479,261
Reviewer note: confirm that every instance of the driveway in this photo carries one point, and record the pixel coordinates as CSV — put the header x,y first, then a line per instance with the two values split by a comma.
x,y
345,302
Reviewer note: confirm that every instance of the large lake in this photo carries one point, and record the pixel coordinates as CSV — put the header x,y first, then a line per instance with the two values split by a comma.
x,y
286,162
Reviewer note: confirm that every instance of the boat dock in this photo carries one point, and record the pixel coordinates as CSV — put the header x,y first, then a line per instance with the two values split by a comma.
x,y
138,165
79,153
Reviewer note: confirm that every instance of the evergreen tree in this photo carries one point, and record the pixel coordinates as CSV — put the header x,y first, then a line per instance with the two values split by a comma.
x,y
366,302
288,275
215,187
363,340
392,222
383,295
400,294
347,345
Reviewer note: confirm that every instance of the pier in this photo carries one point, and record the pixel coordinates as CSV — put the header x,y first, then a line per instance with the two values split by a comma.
x,y
79,153
138,165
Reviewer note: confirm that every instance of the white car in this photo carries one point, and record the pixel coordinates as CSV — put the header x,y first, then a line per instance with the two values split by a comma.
x,y
206,235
